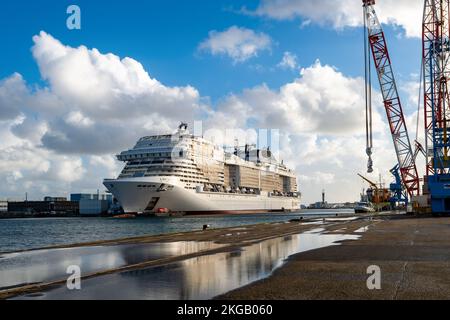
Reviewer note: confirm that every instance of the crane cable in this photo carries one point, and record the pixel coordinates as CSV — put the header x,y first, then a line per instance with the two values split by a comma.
x,y
419,99
368,96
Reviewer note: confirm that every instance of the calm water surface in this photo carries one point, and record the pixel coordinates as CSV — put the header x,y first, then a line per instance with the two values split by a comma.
x,y
24,234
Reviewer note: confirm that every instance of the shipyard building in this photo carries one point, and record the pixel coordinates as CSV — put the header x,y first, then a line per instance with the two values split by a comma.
x,y
50,206
80,204
3,206
93,204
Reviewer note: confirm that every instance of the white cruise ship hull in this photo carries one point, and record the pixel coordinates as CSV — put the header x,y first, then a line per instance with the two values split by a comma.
x,y
155,194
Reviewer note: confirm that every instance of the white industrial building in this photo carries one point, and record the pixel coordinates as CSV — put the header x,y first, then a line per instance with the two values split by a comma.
x,y
93,204
3,206
90,207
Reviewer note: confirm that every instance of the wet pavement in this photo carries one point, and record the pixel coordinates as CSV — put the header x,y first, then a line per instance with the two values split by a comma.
x,y
202,277
19,269
413,254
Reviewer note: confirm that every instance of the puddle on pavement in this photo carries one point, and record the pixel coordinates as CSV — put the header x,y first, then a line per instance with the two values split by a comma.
x,y
311,223
198,278
315,231
341,219
18,269
362,230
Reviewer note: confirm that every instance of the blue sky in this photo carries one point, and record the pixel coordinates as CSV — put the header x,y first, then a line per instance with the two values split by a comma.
x,y
164,36
65,111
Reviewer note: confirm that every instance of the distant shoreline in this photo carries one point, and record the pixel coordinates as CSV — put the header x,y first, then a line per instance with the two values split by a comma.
x,y
37,216
49,216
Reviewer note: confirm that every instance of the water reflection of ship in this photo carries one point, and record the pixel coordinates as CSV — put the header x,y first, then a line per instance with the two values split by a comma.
x,y
207,276
136,254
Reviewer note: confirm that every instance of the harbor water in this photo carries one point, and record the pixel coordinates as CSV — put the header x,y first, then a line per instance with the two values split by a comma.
x,y
26,234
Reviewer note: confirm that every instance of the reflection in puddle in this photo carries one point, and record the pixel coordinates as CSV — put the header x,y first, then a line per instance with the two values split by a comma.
x,y
17,269
362,230
315,231
312,223
198,278
341,219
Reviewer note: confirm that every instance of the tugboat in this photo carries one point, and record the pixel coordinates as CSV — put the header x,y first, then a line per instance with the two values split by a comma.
x,y
364,207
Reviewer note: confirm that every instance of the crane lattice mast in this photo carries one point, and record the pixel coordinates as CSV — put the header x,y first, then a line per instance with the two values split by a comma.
x,y
392,104
436,57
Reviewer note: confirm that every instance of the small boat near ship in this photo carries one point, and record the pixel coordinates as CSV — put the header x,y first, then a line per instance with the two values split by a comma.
x,y
364,207
124,216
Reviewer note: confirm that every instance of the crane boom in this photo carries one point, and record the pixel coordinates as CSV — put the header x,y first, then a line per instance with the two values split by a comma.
x,y
372,184
392,104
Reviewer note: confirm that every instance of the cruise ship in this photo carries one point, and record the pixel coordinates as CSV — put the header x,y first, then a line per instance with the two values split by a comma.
x,y
188,175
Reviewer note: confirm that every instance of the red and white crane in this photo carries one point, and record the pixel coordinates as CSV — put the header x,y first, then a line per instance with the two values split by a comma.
x,y
376,44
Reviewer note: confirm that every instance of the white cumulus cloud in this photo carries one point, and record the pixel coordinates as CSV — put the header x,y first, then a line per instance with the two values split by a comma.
x,y
240,44
321,119
87,87
321,100
289,61
339,14
57,137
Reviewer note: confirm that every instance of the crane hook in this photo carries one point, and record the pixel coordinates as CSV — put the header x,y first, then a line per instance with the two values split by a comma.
x,y
370,161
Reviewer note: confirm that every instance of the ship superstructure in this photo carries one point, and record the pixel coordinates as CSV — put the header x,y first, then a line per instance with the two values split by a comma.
x,y
182,173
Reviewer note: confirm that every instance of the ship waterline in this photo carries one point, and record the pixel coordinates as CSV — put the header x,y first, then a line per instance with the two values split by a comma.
x,y
138,195
184,174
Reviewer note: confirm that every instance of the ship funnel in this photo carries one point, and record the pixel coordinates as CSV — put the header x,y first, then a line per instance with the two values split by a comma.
x,y
247,152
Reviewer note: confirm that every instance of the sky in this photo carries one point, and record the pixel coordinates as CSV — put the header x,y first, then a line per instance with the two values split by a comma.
x,y
72,99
